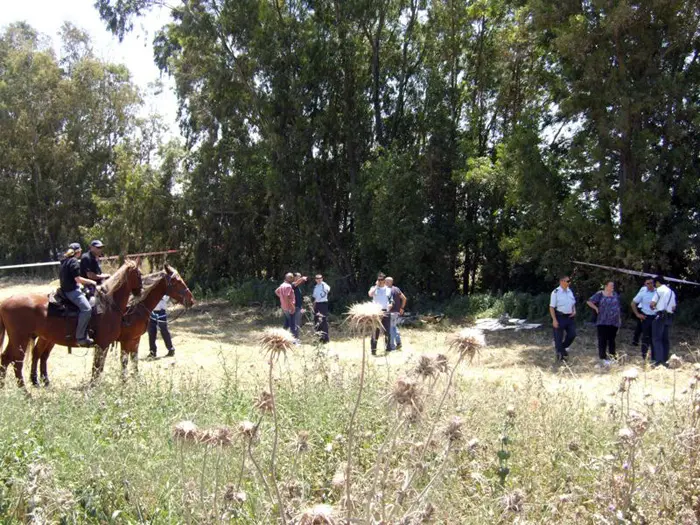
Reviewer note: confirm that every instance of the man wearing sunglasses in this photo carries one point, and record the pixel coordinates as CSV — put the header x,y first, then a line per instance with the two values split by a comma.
x,y
562,308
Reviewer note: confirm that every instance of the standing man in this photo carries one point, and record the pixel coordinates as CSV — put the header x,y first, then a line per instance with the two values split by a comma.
x,y
90,265
159,319
664,304
642,301
70,279
397,304
381,295
298,298
285,292
562,308
321,311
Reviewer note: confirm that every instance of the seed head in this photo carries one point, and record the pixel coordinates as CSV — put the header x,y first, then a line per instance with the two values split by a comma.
x,y
265,402
631,374
453,430
186,431
626,435
233,496
467,342
510,411
364,317
303,441
425,367
318,515
338,480
442,365
513,501
638,423
405,393
217,436
276,341
675,362
247,429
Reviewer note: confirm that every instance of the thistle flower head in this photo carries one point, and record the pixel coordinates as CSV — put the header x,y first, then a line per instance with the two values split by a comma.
x,y
303,441
233,496
265,402
626,435
276,341
513,501
467,342
217,436
318,515
338,480
638,423
631,374
453,430
185,431
247,429
365,316
405,392
675,362
426,367
442,365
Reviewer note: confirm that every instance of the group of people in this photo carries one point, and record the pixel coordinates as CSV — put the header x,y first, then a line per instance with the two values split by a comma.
x,y
80,274
654,307
292,302
389,297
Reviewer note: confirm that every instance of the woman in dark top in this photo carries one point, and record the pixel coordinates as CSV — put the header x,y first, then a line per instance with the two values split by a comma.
x,y
606,304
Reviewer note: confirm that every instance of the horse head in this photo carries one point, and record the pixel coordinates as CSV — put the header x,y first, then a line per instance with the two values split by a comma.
x,y
177,287
133,278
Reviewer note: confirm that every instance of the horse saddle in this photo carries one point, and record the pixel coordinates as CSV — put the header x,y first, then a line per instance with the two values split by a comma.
x,y
61,306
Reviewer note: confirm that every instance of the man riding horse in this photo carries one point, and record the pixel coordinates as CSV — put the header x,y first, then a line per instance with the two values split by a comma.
x,y
70,286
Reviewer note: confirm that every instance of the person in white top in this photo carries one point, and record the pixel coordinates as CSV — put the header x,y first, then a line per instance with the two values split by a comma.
x,y
321,310
159,319
641,307
562,309
664,304
381,295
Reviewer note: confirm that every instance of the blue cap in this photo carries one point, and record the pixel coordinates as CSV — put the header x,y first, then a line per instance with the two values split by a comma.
x,y
97,243
75,246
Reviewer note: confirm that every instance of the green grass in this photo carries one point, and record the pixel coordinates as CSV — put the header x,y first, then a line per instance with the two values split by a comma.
x,y
108,455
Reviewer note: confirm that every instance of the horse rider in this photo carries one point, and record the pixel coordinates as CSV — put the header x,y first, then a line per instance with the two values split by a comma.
x,y
70,280
90,265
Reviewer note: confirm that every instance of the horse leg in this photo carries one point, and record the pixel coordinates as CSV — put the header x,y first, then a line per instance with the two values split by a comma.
x,y
125,362
18,362
36,354
98,364
135,360
44,365
4,363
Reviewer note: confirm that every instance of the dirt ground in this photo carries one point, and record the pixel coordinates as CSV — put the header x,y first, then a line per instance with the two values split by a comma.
x,y
213,339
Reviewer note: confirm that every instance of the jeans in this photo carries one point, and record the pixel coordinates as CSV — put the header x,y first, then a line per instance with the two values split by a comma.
x,y
290,322
297,319
646,325
395,335
567,325
78,299
606,340
159,319
321,318
660,343
386,328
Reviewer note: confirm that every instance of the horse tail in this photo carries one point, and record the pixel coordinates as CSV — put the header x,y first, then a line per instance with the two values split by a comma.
x,y
2,333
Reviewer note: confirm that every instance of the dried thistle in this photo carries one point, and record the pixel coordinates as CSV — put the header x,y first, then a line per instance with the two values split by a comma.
x,y
405,393
303,441
247,429
426,367
265,403
638,423
365,316
186,431
631,374
217,436
453,430
513,501
442,365
276,341
626,435
338,480
318,515
231,495
467,342
675,362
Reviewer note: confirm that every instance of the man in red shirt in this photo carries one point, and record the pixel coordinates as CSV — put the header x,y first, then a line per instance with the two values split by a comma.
x,y
285,292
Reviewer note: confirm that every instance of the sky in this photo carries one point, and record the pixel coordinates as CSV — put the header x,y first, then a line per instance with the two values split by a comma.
x,y
136,51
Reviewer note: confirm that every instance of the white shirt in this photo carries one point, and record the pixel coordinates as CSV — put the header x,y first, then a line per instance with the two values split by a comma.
x,y
320,292
563,301
382,294
665,299
163,304
643,299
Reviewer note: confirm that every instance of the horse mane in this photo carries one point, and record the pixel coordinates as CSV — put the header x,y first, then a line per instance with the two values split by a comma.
x,y
149,282
117,279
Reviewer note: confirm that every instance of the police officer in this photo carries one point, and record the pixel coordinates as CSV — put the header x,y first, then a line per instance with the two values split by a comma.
x,y
90,264
562,308
641,306
664,304
70,279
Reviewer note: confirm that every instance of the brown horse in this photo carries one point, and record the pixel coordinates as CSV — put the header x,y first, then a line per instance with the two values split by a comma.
x,y
135,320
25,317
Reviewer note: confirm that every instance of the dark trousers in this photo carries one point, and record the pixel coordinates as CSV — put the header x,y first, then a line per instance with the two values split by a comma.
x,y
606,340
159,319
638,329
290,322
386,327
646,327
564,335
660,343
321,320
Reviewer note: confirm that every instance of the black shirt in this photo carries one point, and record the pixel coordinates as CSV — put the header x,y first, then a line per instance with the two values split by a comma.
x,y
89,263
297,296
70,269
